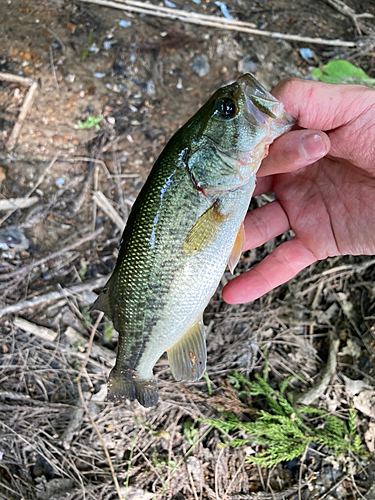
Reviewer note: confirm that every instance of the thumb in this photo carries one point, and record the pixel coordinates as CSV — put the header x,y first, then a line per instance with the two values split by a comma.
x,y
295,150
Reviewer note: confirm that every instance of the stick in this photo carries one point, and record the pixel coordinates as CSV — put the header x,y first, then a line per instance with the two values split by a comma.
x,y
53,68
8,77
62,44
53,296
15,203
11,142
320,387
26,269
103,202
40,331
83,367
183,14
39,181
217,22
347,11
73,426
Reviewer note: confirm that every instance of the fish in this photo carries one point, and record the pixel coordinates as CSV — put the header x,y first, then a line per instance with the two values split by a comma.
x,y
184,228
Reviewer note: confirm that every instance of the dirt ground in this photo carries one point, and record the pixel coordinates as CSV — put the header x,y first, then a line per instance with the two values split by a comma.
x,y
143,77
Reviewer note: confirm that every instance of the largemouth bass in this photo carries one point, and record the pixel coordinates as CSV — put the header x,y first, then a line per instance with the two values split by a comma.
x,y
184,228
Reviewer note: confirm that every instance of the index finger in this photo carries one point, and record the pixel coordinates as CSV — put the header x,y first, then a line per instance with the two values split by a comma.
x,y
322,106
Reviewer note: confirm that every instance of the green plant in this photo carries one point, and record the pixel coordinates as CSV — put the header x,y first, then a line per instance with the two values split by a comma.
x,y
91,121
208,382
340,71
286,429
191,432
86,50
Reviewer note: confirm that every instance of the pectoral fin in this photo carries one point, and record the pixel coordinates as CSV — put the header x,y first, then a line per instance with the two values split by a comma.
x,y
187,358
205,230
237,249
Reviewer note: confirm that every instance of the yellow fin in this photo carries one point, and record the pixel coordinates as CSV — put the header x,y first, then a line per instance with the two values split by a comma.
x,y
205,231
187,358
237,249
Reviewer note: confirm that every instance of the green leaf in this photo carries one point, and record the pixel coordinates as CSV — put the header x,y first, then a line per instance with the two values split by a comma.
x,y
91,121
342,72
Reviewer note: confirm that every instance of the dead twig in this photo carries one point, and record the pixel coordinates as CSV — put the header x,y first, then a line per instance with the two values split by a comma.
x,y
37,184
83,367
39,451
347,11
53,296
37,330
8,77
27,103
73,426
16,203
330,369
26,269
104,203
62,44
216,22
53,68
332,488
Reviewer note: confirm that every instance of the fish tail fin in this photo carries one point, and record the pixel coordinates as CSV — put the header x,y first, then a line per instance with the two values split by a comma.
x,y
122,387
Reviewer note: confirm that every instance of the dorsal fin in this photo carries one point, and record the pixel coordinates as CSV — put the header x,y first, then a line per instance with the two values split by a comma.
x,y
102,303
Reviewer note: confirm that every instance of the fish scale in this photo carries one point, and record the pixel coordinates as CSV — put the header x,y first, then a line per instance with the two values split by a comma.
x,y
182,229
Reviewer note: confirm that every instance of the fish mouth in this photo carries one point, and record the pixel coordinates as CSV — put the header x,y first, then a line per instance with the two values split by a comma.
x,y
262,105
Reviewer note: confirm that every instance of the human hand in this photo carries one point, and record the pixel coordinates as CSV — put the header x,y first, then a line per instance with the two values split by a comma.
x,y
324,183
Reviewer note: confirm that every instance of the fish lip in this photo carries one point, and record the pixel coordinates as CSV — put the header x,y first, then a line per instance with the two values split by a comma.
x,y
253,89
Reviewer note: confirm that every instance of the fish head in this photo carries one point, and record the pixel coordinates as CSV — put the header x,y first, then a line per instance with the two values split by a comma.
x,y
236,125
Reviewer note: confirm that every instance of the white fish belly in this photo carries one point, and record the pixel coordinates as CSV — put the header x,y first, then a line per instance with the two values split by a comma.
x,y
194,285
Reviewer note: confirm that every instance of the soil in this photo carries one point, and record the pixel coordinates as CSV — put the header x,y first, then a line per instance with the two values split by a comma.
x,y
143,77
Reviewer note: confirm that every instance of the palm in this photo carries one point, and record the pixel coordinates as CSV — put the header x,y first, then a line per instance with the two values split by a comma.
x,y
330,207
329,203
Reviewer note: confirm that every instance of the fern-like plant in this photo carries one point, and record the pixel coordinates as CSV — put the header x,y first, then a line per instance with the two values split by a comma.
x,y
285,430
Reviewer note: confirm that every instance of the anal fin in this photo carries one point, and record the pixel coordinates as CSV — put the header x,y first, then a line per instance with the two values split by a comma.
x,y
122,387
237,249
187,358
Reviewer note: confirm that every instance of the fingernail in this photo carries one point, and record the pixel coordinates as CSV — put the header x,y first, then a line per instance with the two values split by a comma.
x,y
313,147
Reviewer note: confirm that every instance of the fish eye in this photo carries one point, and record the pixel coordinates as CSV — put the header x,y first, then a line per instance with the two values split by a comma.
x,y
227,107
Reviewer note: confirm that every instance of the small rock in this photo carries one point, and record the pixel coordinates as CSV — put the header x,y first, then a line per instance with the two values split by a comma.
x,y
149,89
194,467
249,64
365,403
12,241
201,65
353,387
56,45
54,487
133,493
124,23
107,44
